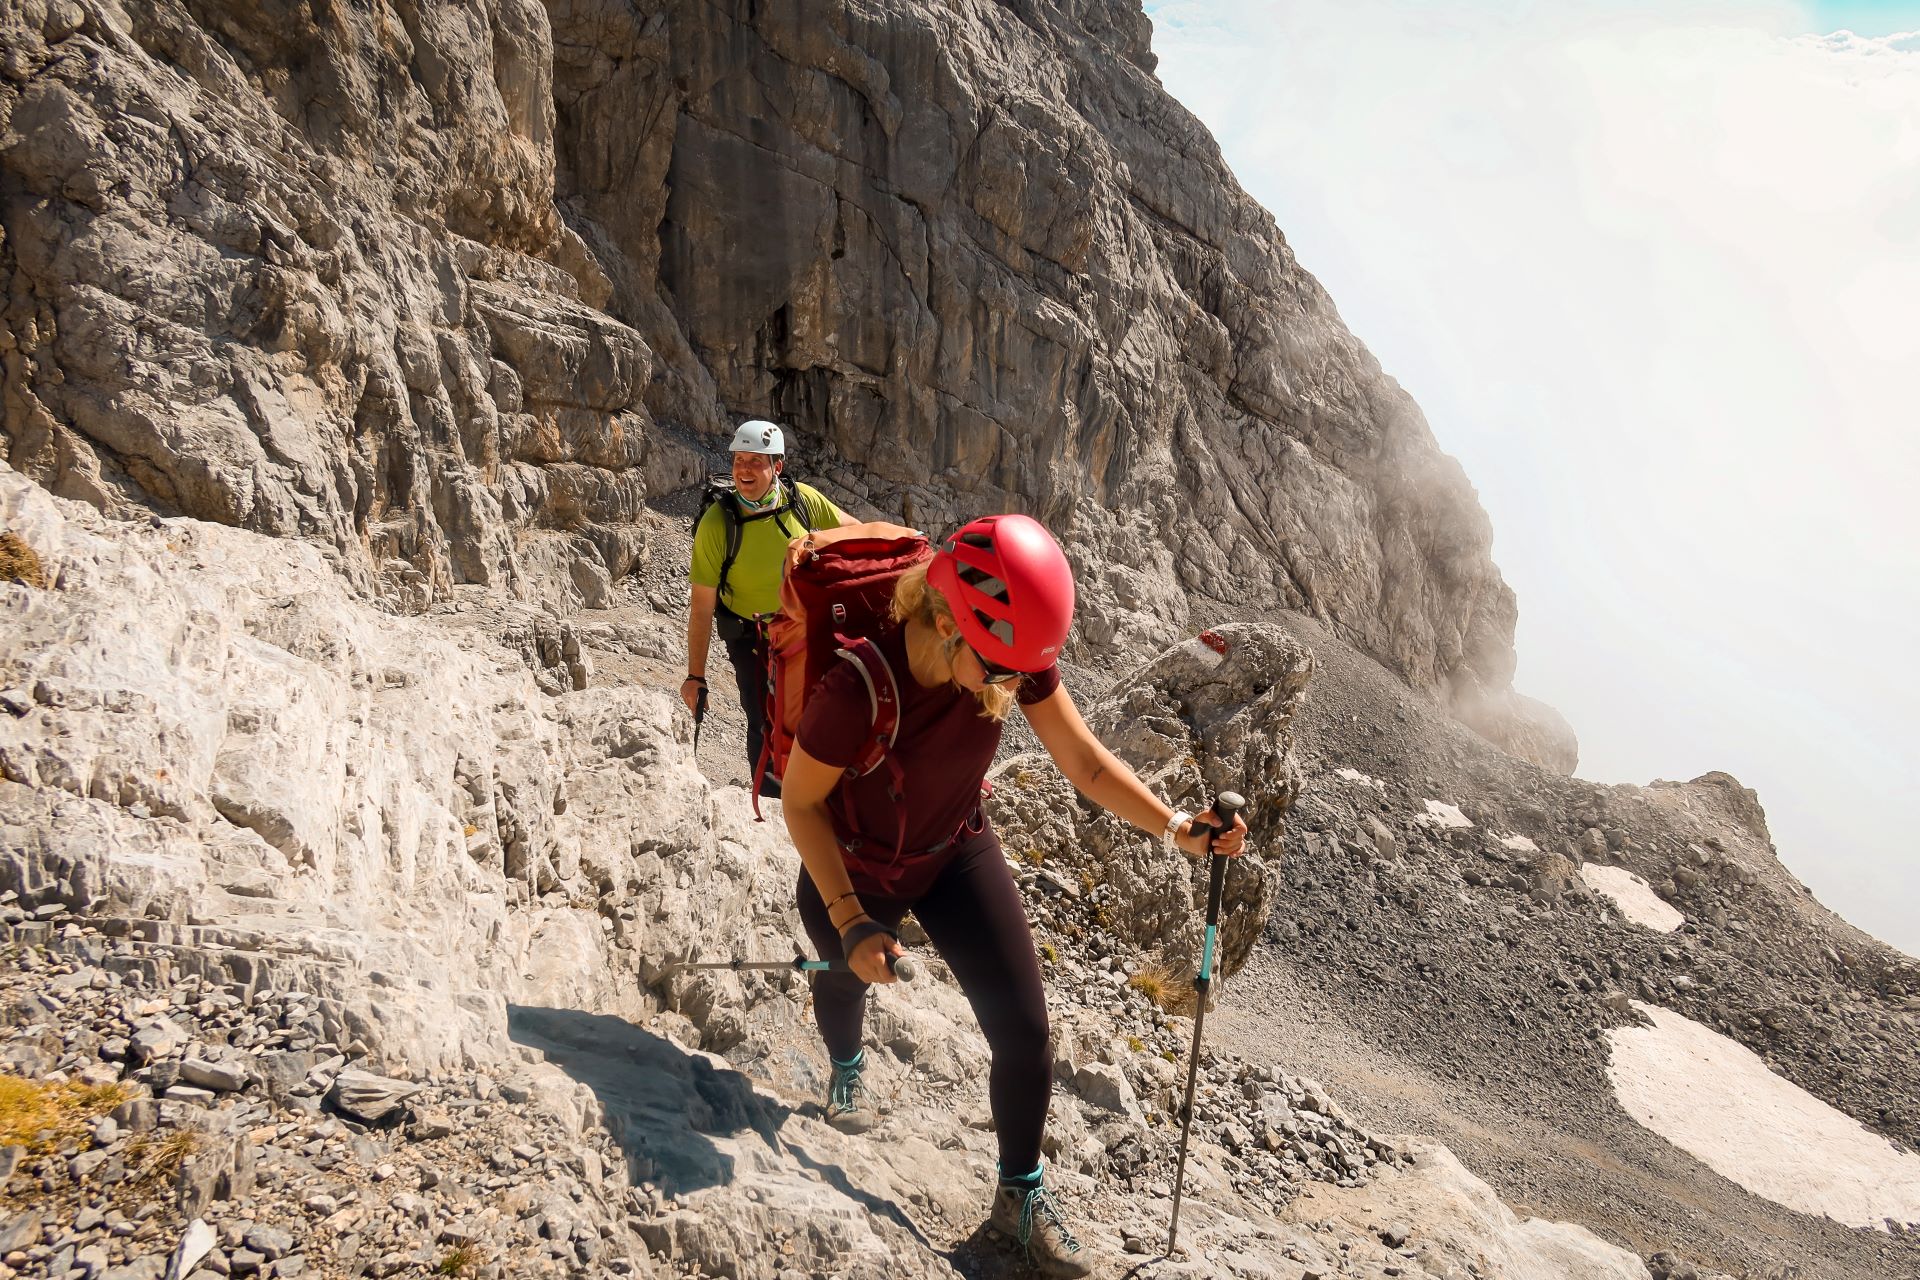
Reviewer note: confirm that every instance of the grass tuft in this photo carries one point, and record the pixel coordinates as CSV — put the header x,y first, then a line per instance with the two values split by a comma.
x,y
20,563
459,1262
1164,989
153,1162
42,1116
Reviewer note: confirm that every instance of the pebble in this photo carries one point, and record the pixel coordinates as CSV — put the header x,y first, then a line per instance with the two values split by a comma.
x,y
269,1241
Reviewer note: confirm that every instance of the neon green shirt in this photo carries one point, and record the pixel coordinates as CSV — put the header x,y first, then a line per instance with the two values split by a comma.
x,y
753,583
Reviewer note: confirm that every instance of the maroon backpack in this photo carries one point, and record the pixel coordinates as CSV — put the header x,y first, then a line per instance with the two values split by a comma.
x,y
836,593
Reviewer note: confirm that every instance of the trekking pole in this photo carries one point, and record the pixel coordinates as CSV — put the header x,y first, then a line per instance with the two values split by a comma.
x,y
1228,804
904,968
699,714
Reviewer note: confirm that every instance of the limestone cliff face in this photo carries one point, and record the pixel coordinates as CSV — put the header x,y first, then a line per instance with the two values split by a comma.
x,y
451,287
301,272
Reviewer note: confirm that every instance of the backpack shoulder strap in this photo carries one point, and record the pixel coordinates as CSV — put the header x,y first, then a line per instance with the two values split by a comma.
x,y
730,516
796,504
883,693
883,697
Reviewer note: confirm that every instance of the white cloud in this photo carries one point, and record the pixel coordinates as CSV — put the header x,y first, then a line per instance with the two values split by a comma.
x,y
1653,272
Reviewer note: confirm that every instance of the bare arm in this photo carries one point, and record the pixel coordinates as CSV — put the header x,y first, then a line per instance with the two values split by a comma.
x,y
1104,778
803,799
699,632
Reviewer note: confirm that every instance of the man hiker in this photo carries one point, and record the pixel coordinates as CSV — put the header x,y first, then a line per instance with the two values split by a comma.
x,y
738,545
975,632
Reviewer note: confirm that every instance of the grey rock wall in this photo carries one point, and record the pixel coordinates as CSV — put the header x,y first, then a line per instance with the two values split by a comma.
x,y
304,275
450,288
210,748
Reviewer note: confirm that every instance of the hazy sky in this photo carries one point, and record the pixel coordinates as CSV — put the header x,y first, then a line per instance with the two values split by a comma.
x,y
1652,270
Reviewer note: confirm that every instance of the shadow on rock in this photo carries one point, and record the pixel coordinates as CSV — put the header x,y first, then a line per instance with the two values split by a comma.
x,y
836,1178
662,1102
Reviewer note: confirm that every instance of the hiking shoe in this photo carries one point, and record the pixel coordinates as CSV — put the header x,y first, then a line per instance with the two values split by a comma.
x,y
850,1107
1032,1217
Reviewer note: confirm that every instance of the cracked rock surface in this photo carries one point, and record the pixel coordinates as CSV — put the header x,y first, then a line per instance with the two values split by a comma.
x,y
398,1013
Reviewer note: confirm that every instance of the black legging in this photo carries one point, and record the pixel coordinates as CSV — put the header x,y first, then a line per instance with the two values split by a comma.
x,y
975,919
749,658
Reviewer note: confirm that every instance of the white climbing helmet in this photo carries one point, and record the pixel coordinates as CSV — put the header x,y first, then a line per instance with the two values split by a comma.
x,y
758,436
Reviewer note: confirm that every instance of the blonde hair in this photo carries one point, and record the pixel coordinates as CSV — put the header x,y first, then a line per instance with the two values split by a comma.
x,y
915,601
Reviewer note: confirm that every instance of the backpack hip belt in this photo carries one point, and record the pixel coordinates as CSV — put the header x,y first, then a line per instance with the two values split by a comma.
x,y
887,874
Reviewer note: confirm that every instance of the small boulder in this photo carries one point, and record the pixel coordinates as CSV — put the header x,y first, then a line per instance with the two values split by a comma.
x,y
195,1245
369,1098
220,1077
1105,1086
270,1242
156,1039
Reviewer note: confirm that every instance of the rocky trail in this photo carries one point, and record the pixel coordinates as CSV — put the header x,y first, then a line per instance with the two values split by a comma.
x,y
322,1083
469,1060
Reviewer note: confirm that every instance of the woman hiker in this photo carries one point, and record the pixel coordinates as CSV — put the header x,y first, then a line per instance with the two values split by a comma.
x,y
975,630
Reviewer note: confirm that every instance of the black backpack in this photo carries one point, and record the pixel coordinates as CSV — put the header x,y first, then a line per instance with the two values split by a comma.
x,y
719,490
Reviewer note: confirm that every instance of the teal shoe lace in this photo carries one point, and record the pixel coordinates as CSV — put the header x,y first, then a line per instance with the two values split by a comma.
x,y
1040,1201
844,1090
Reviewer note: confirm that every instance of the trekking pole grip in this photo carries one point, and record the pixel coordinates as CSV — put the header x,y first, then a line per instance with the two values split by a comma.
x,y
1226,805
905,968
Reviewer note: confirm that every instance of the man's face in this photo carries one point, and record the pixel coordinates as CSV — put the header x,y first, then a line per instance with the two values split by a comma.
x,y
753,474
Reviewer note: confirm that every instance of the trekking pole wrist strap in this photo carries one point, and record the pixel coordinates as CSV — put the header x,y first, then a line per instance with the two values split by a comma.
x,y
694,678
859,931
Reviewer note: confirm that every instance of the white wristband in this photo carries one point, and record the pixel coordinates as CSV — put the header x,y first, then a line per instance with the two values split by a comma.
x,y
1179,820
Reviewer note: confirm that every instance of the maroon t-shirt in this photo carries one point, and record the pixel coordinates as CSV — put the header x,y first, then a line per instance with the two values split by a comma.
x,y
944,750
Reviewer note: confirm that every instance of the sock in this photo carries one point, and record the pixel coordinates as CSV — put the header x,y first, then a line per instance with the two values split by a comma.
x,y
852,1064
1024,1181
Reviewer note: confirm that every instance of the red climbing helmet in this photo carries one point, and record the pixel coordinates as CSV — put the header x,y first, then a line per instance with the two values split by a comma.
x,y
1010,589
